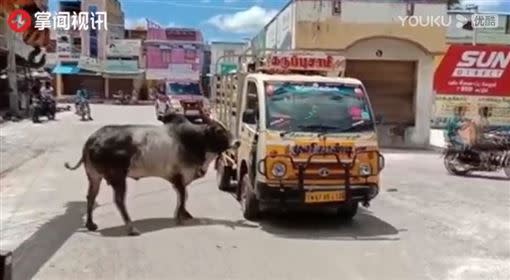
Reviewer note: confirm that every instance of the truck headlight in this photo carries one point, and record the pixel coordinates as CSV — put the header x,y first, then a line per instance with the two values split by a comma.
x,y
175,104
365,170
279,169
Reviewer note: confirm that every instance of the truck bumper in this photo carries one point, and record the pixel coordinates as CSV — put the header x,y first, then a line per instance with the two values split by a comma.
x,y
294,196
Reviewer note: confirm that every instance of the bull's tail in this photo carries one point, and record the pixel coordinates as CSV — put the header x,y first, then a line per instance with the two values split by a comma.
x,y
74,167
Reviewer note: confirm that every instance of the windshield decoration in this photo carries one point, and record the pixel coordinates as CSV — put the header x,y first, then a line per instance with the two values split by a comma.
x,y
314,148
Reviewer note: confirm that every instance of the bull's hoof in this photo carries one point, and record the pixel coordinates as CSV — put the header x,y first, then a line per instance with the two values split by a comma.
x,y
132,231
182,217
186,215
91,226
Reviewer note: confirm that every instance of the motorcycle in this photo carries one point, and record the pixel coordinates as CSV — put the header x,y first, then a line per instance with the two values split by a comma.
x,y
123,99
461,160
82,110
43,106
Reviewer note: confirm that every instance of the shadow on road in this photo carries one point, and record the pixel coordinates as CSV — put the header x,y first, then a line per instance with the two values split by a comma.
x,y
487,177
313,225
32,254
155,224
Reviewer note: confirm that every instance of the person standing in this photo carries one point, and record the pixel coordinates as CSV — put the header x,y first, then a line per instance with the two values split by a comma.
x,y
83,97
454,125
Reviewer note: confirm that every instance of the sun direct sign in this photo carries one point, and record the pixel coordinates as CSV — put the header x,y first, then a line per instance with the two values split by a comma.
x,y
20,20
474,70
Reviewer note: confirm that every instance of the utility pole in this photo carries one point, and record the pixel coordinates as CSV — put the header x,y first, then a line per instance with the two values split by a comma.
x,y
12,71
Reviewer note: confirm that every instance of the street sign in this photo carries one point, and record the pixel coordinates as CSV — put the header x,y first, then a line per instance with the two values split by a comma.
x,y
226,68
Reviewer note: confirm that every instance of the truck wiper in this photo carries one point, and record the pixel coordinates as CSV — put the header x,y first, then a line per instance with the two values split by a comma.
x,y
358,125
319,127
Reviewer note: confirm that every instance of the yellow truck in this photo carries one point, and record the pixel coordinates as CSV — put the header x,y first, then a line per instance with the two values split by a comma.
x,y
308,134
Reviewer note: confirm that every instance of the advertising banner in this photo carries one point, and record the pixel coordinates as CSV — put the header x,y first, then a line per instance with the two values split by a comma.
x,y
124,48
90,64
121,66
445,104
474,70
473,77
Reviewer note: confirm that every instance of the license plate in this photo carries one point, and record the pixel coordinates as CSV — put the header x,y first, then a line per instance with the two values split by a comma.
x,y
317,197
193,112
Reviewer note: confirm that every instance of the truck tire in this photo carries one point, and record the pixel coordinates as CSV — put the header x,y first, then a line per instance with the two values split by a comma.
x,y
249,202
223,176
348,211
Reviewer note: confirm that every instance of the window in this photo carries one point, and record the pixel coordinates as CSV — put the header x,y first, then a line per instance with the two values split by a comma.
x,y
337,7
252,98
189,54
507,29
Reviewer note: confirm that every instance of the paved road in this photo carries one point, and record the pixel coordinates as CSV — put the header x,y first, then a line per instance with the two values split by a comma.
x,y
424,224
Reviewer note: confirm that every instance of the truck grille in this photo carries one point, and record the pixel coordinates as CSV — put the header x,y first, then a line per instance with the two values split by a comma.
x,y
194,105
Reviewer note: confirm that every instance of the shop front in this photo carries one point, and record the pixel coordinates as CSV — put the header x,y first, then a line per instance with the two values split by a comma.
x,y
473,77
123,75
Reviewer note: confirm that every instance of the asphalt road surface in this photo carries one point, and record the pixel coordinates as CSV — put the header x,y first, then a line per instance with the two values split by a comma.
x,y
424,224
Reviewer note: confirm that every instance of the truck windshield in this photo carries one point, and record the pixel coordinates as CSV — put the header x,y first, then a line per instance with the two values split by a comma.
x,y
183,89
317,107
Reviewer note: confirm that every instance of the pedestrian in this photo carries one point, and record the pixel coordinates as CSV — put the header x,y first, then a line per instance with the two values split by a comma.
x,y
47,90
83,97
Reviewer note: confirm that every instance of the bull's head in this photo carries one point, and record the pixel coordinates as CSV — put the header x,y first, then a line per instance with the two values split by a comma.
x,y
218,137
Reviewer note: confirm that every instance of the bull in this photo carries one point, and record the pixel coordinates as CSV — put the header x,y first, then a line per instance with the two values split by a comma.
x,y
177,151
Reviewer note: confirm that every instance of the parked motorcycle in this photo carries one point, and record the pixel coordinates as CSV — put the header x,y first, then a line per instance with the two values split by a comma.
x,y
43,106
121,98
462,161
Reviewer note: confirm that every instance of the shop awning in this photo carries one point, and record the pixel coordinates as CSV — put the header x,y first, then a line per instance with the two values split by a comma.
x,y
66,69
474,70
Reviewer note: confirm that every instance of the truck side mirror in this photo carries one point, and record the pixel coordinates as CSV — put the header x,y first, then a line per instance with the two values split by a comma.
x,y
378,119
249,116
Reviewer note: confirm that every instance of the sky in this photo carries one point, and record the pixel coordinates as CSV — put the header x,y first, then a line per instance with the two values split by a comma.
x,y
226,20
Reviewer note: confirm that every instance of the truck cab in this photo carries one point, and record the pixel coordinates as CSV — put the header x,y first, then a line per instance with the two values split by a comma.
x,y
307,140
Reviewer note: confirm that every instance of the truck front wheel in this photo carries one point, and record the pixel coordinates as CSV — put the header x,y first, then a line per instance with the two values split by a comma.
x,y
223,176
348,211
249,201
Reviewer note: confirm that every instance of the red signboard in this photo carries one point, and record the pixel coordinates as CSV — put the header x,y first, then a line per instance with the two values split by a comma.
x,y
305,62
474,70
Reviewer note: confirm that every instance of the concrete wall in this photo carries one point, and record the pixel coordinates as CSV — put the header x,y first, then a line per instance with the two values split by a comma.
x,y
317,26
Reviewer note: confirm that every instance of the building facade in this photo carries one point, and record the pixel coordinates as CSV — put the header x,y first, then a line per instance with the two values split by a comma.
x,y
100,60
394,59
173,54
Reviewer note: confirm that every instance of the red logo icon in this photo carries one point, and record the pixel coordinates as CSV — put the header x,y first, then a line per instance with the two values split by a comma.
x,y
19,20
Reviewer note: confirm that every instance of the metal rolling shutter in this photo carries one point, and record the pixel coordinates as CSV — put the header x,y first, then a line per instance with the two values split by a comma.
x,y
391,86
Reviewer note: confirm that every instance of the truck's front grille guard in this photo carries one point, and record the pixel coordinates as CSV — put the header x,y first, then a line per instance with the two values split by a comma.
x,y
346,165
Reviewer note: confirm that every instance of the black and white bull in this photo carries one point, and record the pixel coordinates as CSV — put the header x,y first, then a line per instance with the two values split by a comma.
x,y
177,151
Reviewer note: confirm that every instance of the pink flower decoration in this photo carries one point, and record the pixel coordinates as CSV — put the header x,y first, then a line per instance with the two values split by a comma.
x,y
355,112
